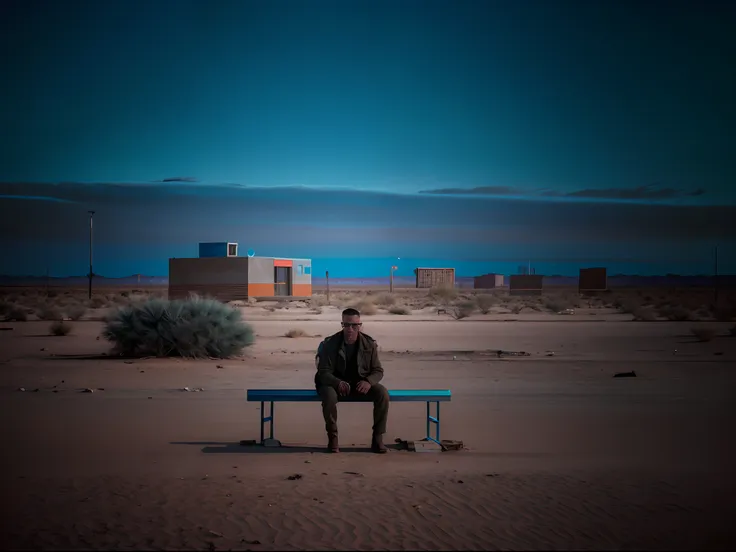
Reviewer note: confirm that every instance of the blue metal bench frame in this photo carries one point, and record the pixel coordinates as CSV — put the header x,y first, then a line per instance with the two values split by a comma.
x,y
310,395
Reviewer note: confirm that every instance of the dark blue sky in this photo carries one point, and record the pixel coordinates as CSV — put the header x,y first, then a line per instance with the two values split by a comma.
x,y
541,128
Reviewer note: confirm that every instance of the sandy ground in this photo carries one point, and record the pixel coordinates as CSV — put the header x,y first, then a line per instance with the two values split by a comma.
x,y
560,455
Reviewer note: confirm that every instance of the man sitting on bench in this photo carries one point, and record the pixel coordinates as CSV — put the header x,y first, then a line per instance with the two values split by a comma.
x,y
348,365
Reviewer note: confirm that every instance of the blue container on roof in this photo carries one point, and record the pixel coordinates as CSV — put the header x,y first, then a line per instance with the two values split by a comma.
x,y
218,249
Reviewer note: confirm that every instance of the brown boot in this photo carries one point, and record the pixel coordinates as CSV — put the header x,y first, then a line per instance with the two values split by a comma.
x,y
332,445
377,445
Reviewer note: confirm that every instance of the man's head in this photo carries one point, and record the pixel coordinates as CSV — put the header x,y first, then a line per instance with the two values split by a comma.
x,y
351,325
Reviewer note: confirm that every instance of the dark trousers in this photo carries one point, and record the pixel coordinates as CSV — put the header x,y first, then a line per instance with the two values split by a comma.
x,y
377,394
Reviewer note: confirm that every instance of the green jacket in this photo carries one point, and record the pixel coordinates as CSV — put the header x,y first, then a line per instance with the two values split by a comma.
x,y
331,361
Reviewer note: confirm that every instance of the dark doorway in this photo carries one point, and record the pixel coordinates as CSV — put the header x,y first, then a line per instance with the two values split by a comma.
x,y
282,281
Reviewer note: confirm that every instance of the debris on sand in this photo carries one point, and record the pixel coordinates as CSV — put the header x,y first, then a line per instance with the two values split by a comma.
x,y
501,353
631,374
295,477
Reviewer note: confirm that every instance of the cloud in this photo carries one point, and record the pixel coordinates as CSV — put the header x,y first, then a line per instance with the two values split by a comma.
x,y
36,198
178,179
639,193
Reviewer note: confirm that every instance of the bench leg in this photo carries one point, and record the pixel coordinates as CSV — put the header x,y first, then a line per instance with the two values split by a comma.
x,y
433,420
265,419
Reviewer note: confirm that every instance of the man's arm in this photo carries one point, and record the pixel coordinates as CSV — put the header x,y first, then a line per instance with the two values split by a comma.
x,y
376,373
325,370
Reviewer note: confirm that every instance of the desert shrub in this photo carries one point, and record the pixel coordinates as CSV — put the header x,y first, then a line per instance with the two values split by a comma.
x,y
192,327
384,299
703,334
75,312
485,302
516,308
732,331
463,309
98,302
644,314
16,314
556,305
724,314
366,307
5,308
399,309
318,301
47,312
676,314
315,310
295,332
442,293
59,327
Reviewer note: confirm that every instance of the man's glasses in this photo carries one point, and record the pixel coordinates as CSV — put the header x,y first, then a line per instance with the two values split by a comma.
x,y
352,324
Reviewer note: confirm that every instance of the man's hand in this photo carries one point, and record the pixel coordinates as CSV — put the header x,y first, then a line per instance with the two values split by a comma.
x,y
363,387
343,388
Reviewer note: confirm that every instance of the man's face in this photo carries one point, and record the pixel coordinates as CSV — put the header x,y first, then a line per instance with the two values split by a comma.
x,y
351,328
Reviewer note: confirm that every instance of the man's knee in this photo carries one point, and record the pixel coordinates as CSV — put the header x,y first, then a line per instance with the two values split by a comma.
x,y
327,394
380,393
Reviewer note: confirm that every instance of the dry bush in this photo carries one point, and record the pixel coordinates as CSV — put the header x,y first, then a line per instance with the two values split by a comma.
x,y
16,314
516,308
75,311
732,331
316,310
97,302
676,314
704,334
463,309
59,327
399,309
644,314
485,302
47,312
296,332
5,308
318,301
384,299
366,307
443,294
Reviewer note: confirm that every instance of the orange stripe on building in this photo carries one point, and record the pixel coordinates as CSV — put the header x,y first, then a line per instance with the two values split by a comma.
x,y
283,262
301,290
260,290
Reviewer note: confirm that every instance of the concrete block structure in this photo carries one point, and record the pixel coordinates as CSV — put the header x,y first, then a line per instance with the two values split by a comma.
x,y
433,277
228,278
525,284
592,279
488,281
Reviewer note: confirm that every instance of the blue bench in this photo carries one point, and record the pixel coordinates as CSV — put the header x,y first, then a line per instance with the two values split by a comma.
x,y
310,395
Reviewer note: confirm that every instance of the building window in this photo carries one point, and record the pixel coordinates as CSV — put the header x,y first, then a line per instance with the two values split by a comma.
x,y
307,270
301,269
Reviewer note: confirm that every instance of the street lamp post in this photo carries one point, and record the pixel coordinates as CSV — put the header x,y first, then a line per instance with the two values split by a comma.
x,y
391,279
91,214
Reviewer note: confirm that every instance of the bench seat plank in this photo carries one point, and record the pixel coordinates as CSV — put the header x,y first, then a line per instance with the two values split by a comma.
x,y
310,395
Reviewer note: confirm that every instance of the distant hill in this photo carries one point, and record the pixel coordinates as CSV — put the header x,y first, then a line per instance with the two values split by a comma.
x,y
618,280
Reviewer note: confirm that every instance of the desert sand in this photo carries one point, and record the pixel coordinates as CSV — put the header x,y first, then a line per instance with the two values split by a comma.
x,y
558,454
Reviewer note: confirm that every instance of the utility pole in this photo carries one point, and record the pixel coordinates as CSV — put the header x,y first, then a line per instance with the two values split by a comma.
x,y
715,278
91,214
391,279
327,278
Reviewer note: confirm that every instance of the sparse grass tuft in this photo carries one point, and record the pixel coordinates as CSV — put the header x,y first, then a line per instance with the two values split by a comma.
x,y
704,334
59,328
676,314
295,332
399,309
